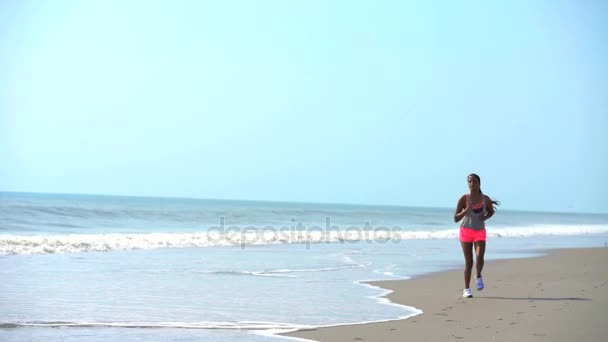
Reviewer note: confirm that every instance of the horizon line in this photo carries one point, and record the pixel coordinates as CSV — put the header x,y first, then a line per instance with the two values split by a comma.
x,y
282,201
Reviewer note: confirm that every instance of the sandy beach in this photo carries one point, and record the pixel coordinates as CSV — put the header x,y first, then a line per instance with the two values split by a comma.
x,y
562,296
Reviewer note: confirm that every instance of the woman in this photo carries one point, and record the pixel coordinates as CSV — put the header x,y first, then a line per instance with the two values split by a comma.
x,y
473,209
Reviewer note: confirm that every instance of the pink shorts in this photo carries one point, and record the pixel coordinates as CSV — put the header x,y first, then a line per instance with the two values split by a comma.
x,y
472,235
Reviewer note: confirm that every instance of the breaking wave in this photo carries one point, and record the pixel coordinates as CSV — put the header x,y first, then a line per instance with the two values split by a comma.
x,y
78,243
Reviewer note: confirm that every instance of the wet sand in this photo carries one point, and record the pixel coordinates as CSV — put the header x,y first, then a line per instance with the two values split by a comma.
x,y
562,296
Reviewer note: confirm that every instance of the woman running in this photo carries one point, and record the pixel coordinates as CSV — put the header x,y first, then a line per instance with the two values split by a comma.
x,y
473,209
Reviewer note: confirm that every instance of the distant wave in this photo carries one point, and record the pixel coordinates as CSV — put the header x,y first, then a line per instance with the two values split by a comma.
x,y
77,243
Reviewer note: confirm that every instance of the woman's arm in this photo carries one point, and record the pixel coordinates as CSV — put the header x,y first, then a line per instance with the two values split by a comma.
x,y
489,208
461,209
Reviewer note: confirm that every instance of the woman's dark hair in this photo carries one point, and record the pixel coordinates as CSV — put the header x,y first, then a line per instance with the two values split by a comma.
x,y
479,181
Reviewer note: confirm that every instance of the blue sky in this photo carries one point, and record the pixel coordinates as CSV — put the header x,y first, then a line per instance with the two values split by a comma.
x,y
370,102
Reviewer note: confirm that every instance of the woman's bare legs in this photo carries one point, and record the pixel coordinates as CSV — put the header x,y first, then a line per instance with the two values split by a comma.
x,y
467,250
480,251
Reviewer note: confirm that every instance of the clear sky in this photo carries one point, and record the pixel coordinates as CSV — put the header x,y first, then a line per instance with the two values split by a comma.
x,y
370,102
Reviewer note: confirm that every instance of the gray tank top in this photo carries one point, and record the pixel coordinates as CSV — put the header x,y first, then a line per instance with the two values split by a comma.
x,y
473,219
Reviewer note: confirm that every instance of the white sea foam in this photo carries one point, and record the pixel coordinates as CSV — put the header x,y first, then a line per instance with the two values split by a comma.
x,y
76,243
284,272
244,325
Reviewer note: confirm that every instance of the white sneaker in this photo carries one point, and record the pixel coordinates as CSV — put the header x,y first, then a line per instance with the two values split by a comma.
x,y
466,293
479,283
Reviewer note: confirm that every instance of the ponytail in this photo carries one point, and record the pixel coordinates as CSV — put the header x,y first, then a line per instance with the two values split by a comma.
x,y
494,203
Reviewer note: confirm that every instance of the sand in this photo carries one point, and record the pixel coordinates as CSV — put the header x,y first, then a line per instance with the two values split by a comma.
x,y
562,296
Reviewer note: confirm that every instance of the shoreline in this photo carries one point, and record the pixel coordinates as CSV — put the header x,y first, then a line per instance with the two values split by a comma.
x,y
558,296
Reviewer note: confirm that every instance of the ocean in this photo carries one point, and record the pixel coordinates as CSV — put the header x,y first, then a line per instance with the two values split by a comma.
x,y
105,268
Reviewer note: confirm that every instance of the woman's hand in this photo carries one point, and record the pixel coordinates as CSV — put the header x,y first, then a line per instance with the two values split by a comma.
x,y
459,214
489,209
465,209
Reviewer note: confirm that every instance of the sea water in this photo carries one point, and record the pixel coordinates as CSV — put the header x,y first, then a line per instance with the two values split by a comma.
x,y
102,268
